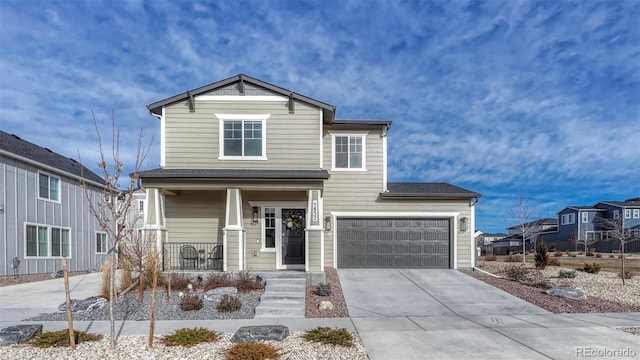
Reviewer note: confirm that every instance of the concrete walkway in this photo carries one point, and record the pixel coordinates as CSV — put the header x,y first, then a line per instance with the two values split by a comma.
x,y
456,330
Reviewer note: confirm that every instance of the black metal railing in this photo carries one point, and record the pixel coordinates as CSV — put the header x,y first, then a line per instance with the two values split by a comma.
x,y
192,256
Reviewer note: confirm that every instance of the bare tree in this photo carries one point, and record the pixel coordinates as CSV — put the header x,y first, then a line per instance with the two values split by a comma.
x,y
138,247
112,210
522,213
615,231
575,240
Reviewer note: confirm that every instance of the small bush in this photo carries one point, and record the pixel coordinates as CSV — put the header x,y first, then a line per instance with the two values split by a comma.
x,y
246,283
253,351
573,255
229,303
191,302
627,274
554,262
512,258
612,256
326,335
179,282
60,338
598,255
558,254
105,275
620,256
323,289
541,257
590,254
591,268
490,258
567,274
217,281
190,337
516,273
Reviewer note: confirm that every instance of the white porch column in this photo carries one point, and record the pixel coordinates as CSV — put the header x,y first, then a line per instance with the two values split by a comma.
x,y
154,217
233,233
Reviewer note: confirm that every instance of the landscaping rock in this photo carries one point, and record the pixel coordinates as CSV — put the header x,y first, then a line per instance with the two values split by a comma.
x,y
325,305
260,333
83,305
566,292
216,294
19,333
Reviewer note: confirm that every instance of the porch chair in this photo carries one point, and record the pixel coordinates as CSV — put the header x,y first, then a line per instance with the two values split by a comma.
x,y
188,254
214,258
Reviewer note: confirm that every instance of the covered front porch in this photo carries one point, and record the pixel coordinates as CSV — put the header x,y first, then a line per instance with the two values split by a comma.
x,y
238,225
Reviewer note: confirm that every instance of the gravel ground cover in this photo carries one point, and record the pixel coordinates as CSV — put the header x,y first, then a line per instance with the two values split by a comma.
x,y
337,299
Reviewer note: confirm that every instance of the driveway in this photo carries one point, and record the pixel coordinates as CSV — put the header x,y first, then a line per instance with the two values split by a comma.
x,y
425,292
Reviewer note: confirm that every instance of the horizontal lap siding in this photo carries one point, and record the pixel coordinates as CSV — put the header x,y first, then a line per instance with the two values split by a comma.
x,y
195,216
192,139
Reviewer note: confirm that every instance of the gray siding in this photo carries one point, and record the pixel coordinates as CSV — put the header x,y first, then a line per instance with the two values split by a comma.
x,y
19,196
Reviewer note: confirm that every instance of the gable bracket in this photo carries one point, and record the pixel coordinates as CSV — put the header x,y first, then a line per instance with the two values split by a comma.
x,y
241,84
191,101
292,104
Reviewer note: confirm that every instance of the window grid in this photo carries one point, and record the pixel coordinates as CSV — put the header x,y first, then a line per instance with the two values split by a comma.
x,y
49,187
269,228
243,138
101,243
42,240
348,151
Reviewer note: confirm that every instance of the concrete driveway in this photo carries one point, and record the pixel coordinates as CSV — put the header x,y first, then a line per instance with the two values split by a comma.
x,y
428,292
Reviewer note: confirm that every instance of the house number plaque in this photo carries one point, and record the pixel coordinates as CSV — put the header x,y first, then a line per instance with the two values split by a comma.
x,y
314,210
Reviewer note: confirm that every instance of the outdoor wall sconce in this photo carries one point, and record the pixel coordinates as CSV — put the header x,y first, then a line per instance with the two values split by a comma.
x,y
327,223
254,219
462,226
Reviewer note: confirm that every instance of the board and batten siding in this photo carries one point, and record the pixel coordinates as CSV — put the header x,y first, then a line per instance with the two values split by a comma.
x,y
359,191
192,138
21,205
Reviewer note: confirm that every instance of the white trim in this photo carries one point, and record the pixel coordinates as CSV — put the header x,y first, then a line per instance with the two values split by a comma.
x,y
49,176
627,213
106,244
49,241
384,164
636,213
472,240
263,229
241,117
306,249
363,135
240,98
321,141
585,217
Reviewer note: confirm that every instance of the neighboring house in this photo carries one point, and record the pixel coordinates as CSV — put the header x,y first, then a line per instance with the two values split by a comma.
x,y
44,212
581,227
507,245
485,240
280,183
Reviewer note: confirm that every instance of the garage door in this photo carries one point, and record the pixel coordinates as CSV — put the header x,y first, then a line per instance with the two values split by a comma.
x,y
393,243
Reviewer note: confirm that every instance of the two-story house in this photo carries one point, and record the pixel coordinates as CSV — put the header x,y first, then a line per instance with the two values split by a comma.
x,y
280,183
44,212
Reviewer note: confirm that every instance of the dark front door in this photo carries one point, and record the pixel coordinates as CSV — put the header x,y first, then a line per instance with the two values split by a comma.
x,y
293,223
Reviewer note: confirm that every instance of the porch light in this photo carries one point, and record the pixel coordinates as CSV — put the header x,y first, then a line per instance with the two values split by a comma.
x,y
463,224
254,219
327,223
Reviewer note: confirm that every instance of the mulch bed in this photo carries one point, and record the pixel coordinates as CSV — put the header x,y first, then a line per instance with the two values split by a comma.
x,y
337,299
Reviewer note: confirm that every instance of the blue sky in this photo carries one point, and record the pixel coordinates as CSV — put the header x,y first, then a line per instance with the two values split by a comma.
x,y
534,97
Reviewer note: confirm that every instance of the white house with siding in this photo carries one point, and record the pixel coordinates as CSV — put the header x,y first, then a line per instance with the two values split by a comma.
x,y
276,182
44,212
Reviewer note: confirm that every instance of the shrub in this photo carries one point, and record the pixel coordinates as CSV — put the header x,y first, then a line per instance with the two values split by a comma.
x,y
541,257
323,289
217,281
253,351
598,255
590,254
573,255
246,282
179,282
558,254
567,274
612,256
512,258
190,337
554,262
60,338
105,275
627,274
516,273
191,302
620,256
326,335
591,268
229,303
490,258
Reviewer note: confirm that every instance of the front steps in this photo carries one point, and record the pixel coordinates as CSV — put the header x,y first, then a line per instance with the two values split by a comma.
x,y
284,295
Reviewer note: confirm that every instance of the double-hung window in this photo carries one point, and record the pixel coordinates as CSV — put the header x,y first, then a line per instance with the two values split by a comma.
x,y
47,241
101,242
48,187
627,213
636,213
243,136
348,151
269,228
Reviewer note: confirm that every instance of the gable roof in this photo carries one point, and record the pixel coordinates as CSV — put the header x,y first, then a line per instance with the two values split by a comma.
x,y
543,221
581,208
427,190
631,203
328,110
15,147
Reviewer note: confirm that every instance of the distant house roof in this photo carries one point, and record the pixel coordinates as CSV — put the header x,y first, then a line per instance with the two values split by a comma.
x,y
431,190
544,221
495,235
582,208
15,147
241,79
231,174
632,203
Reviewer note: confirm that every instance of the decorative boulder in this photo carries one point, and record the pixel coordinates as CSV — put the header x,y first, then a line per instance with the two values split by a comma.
x,y
260,333
19,333
83,305
325,305
216,294
568,293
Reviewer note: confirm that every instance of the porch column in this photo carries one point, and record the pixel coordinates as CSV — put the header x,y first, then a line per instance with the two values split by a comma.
x,y
314,246
154,217
233,233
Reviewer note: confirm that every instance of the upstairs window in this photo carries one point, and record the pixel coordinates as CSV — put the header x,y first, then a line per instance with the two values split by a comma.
x,y
585,217
627,213
616,214
568,219
348,151
636,213
49,187
242,136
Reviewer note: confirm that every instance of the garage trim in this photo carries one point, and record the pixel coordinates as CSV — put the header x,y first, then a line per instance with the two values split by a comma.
x,y
359,214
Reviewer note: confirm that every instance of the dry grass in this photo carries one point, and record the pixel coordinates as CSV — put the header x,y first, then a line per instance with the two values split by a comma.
x,y
631,261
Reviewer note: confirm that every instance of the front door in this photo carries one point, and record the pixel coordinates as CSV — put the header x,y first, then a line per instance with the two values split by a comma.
x,y
293,223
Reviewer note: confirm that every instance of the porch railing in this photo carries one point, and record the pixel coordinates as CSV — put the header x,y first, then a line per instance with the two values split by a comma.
x,y
192,256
